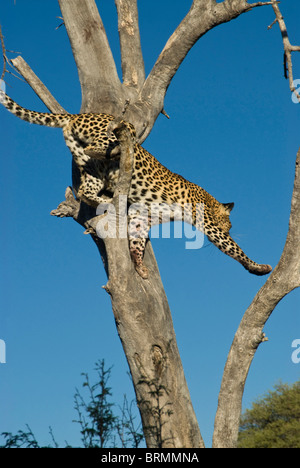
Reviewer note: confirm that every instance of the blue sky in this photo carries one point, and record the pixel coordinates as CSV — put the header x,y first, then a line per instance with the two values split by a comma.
x,y
233,130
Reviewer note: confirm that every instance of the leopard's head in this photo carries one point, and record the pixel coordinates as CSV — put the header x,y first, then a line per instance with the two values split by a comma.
x,y
221,213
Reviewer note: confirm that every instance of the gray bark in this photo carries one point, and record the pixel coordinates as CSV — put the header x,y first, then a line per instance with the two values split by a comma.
x,y
144,324
130,42
100,84
140,307
284,278
38,87
101,87
288,49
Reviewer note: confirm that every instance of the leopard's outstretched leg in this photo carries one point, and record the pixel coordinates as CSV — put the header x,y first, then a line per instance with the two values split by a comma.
x,y
227,245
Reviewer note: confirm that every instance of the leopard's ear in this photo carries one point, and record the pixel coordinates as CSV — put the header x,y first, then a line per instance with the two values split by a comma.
x,y
228,207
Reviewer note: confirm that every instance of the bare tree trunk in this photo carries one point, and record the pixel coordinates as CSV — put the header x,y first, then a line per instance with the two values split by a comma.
x,y
285,278
140,307
144,324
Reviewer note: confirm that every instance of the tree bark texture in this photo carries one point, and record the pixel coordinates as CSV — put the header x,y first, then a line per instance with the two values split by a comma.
x,y
100,84
284,279
140,307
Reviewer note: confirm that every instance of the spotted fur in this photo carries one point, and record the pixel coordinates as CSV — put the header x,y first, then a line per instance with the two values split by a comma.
x,y
95,153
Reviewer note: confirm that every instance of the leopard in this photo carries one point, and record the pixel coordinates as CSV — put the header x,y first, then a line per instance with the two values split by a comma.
x,y
96,153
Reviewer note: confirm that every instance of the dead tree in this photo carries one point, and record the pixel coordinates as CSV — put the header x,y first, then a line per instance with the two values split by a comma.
x,y
140,307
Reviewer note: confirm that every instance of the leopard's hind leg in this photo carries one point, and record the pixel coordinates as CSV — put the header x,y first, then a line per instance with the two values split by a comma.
x,y
138,229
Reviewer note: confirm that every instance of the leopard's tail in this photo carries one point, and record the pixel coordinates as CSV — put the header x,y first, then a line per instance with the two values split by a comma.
x,y
39,118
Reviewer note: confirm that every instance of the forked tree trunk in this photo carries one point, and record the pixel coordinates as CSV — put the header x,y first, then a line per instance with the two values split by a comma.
x,y
140,307
144,324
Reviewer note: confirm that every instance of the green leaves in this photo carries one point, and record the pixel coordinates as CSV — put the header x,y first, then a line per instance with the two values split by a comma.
x,y
274,420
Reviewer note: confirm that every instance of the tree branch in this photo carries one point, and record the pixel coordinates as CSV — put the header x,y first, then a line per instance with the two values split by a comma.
x,y
196,23
96,67
288,49
131,52
5,60
38,87
285,278
203,16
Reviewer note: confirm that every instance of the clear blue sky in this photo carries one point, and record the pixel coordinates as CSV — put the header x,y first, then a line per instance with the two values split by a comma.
x,y
233,130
